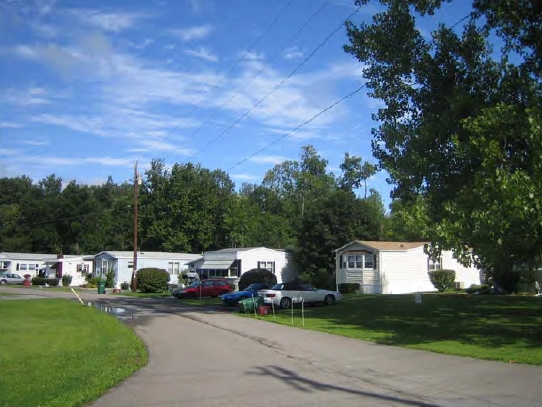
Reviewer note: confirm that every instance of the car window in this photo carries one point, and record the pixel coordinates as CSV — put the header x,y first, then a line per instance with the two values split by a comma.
x,y
306,287
221,283
291,286
208,283
16,276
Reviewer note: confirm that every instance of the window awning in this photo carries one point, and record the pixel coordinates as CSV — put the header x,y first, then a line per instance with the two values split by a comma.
x,y
216,265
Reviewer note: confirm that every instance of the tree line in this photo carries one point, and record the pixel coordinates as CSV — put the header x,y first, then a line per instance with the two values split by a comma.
x,y
300,205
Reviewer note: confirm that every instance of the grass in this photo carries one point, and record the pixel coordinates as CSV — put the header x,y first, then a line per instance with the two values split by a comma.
x,y
498,328
57,353
5,293
205,301
141,295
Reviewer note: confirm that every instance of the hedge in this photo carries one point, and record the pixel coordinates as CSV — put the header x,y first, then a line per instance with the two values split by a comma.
x,y
348,288
442,279
152,280
257,276
53,282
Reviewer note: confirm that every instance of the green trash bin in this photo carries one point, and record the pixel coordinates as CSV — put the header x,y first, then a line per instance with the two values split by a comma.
x,y
101,287
249,304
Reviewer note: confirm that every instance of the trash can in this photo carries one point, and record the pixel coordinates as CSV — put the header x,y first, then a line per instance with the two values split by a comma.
x,y
101,287
249,304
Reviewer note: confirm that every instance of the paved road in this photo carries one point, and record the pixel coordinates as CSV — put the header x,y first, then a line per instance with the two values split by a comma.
x,y
200,358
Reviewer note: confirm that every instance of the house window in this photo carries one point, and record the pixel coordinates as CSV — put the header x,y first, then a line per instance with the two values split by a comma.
x,y
106,265
173,267
130,264
369,263
434,264
267,265
32,267
82,268
351,262
23,267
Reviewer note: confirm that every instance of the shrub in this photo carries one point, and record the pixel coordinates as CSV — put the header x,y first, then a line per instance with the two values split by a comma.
x,y
320,278
53,282
125,286
95,280
442,279
348,288
66,280
89,285
110,278
152,280
255,276
474,288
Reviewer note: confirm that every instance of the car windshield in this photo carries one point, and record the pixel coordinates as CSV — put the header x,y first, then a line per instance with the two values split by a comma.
x,y
255,287
277,287
193,285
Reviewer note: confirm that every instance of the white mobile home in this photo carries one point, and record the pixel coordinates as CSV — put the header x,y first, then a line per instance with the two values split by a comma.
x,y
24,263
395,267
232,263
122,263
76,266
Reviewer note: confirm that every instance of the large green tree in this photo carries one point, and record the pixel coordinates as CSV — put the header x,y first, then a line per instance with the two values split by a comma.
x,y
461,121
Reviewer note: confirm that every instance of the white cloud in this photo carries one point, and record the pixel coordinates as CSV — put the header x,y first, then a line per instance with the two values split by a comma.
x,y
35,142
245,177
193,33
292,53
267,159
31,96
202,53
107,21
10,125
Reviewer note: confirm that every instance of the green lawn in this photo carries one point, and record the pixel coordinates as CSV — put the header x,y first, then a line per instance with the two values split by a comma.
x,y
486,327
6,293
140,295
57,353
205,301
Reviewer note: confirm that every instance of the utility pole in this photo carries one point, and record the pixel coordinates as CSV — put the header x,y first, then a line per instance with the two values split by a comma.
x,y
134,265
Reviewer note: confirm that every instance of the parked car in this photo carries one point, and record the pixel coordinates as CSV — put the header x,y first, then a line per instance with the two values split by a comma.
x,y
250,291
212,287
284,294
10,278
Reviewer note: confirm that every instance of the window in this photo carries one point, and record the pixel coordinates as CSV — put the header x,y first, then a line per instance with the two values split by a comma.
x,y
23,267
221,283
351,262
130,264
267,265
434,264
369,264
208,283
105,266
82,268
32,267
359,261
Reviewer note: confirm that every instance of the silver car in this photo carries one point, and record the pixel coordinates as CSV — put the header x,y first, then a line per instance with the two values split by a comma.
x,y
284,294
10,278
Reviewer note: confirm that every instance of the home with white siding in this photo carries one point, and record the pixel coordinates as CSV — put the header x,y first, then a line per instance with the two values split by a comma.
x,y
395,267
233,262
24,263
122,262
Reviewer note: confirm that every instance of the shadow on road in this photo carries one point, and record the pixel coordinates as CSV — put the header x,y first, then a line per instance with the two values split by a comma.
x,y
305,385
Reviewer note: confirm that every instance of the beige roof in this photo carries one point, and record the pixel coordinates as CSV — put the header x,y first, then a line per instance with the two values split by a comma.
x,y
378,245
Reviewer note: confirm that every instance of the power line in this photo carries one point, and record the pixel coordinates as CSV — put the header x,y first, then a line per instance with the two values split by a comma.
x,y
279,85
242,57
310,19
297,128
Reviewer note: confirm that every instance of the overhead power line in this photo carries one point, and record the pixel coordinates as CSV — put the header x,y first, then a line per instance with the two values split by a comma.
x,y
264,65
321,112
241,58
292,73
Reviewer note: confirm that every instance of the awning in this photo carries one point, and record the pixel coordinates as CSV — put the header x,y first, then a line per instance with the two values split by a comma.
x,y
216,265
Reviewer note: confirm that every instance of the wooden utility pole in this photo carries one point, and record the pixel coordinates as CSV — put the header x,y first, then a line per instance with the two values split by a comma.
x,y
134,265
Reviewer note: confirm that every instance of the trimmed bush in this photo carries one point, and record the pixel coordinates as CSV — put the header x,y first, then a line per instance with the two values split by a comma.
x,y
152,280
442,279
257,276
95,280
320,278
125,285
348,288
53,282
66,280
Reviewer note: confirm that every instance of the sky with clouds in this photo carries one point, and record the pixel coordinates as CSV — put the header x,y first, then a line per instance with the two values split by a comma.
x,y
89,87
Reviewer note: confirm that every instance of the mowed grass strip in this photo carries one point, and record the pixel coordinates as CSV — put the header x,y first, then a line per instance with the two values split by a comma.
x,y
498,328
58,353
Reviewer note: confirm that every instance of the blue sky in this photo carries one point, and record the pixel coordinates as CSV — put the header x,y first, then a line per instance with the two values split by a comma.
x,y
89,87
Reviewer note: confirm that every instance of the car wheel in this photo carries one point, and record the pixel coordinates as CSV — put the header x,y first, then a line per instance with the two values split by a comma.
x,y
329,299
3,282
285,302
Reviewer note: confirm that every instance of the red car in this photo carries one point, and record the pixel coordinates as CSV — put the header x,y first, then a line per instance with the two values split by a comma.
x,y
212,287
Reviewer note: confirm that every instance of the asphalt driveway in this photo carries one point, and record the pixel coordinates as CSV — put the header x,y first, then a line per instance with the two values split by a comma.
x,y
208,358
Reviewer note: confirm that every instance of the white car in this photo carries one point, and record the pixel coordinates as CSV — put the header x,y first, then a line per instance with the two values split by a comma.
x,y
284,294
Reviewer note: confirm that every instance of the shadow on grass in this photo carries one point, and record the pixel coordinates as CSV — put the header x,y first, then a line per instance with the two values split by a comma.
x,y
305,385
486,321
